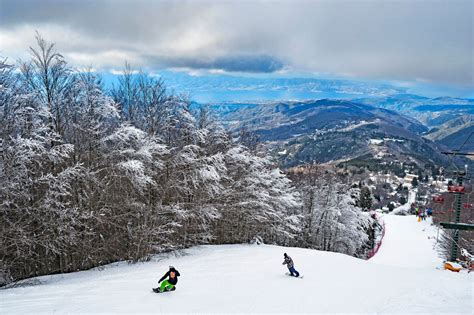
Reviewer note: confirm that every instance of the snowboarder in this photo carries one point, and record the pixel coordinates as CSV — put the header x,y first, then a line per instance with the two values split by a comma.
x,y
289,263
424,215
170,283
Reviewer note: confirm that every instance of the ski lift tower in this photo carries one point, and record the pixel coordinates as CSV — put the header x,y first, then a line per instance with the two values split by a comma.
x,y
459,191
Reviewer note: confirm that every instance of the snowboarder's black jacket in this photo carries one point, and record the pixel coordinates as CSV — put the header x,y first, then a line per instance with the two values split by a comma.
x,y
172,281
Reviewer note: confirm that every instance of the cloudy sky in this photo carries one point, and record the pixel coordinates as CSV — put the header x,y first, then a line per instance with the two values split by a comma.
x,y
412,41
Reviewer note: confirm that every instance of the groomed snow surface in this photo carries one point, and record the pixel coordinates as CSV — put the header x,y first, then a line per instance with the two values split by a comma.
x,y
404,277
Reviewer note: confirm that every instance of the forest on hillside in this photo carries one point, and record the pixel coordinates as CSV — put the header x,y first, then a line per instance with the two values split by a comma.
x,y
90,176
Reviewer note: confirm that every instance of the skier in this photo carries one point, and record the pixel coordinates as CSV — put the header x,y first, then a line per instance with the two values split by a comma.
x,y
430,212
170,283
289,263
418,213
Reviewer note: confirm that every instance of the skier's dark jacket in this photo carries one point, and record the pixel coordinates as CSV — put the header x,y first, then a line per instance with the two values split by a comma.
x,y
288,261
172,281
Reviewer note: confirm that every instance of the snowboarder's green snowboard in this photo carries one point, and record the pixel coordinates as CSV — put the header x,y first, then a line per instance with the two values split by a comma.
x,y
157,290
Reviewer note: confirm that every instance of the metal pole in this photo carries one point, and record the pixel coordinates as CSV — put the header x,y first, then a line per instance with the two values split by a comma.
x,y
457,219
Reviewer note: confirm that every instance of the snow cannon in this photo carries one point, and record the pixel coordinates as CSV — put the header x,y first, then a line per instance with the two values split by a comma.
x,y
452,266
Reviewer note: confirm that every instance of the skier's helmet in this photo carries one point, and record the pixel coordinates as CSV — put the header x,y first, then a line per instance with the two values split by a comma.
x,y
285,255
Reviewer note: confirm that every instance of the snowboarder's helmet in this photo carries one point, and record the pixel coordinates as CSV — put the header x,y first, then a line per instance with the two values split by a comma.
x,y
285,254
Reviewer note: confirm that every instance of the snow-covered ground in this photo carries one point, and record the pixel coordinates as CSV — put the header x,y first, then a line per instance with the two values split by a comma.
x,y
408,243
401,278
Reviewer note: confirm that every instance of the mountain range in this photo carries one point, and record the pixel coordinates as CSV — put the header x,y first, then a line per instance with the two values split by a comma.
x,y
450,120
355,132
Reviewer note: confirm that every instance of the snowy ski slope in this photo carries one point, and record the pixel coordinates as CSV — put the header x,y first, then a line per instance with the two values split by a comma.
x,y
402,278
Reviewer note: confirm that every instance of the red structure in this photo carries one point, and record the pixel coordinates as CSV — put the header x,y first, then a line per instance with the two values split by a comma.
x,y
438,199
374,251
458,189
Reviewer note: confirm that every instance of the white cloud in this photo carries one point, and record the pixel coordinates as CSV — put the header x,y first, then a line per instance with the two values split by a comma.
x,y
397,40
121,72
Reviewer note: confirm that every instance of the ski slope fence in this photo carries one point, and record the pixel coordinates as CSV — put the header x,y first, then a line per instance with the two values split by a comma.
x,y
374,250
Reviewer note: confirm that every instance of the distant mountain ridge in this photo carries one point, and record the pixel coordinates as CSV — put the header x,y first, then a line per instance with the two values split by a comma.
x,y
270,121
450,119
334,130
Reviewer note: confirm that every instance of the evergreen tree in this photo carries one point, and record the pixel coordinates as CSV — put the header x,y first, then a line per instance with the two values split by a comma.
x,y
402,200
365,198
391,206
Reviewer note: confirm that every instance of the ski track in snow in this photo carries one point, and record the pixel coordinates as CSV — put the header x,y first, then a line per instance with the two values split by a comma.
x,y
403,277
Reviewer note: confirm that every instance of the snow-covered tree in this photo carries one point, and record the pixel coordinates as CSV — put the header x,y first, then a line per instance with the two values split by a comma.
x,y
331,219
48,78
259,200
212,136
38,214
88,178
